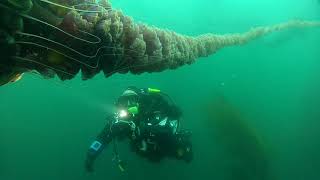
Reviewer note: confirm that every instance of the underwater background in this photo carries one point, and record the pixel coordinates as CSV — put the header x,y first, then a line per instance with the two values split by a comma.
x,y
254,109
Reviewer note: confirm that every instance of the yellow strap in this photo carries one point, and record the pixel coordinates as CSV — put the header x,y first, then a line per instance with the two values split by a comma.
x,y
152,90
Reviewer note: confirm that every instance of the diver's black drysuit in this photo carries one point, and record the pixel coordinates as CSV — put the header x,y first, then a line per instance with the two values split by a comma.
x,y
154,131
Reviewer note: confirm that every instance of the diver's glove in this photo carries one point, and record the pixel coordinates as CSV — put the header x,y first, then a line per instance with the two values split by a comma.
x,y
91,156
89,166
184,150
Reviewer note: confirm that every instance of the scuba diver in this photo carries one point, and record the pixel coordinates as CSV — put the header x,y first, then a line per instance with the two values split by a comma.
x,y
150,120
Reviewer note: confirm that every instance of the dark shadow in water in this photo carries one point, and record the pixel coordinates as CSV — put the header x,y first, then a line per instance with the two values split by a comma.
x,y
248,156
309,144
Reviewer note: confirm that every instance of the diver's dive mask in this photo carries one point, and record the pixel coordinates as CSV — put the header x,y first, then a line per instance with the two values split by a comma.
x,y
128,100
128,104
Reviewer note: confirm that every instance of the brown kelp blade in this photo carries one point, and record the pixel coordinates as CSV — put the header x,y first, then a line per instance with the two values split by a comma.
x,y
241,142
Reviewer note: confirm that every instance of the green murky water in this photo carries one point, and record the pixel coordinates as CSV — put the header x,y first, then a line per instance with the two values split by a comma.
x,y
254,109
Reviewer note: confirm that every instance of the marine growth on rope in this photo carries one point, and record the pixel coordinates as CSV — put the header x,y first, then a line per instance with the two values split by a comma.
x,y
64,37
